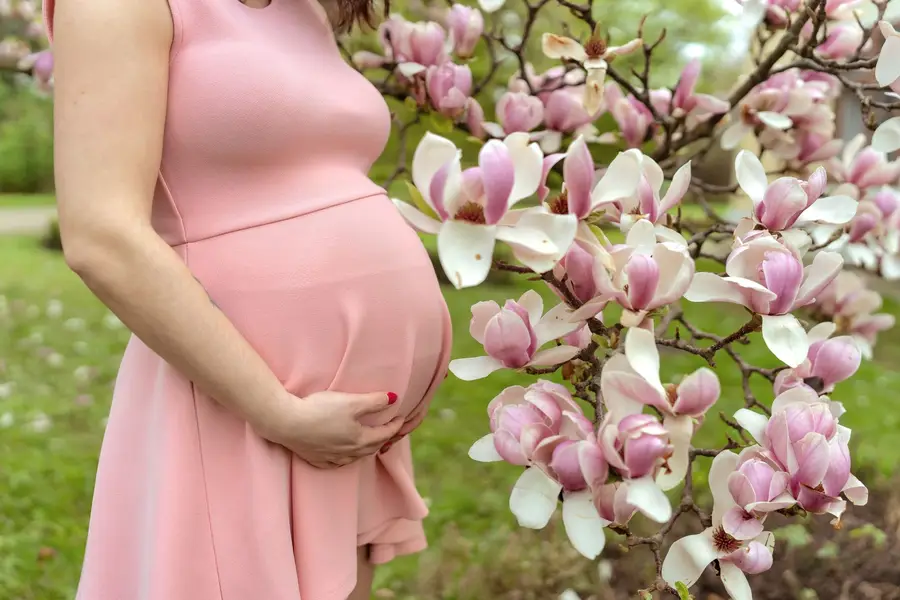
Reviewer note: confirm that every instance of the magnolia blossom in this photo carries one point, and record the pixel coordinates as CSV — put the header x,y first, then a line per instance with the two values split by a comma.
x,y
842,41
516,111
466,25
768,277
449,86
413,47
887,69
646,203
642,275
543,428
685,102
513,335
830,361
853,308
757,488
564,113
593,56
40,64
863,167
804,439
631,381
634,119
580,195
689,556
789,202
471,206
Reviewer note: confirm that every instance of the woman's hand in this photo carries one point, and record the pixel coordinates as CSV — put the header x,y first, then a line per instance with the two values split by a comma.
x,y
324,429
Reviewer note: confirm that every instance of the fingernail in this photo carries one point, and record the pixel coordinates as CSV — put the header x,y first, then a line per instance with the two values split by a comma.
x,y
392,397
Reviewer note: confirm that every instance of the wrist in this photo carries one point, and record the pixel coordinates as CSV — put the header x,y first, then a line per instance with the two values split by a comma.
x,y
268,416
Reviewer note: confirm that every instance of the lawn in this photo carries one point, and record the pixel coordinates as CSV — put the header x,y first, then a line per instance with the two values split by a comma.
x,y
26,200
59,350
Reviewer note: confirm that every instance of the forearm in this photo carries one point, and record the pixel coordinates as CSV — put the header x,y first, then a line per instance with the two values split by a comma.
x,y
144,282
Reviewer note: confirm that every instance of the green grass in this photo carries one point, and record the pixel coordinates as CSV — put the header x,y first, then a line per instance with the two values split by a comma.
x,y
60,348
26,200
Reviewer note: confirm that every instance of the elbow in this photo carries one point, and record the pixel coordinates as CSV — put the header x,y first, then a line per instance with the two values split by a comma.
x,y
91,251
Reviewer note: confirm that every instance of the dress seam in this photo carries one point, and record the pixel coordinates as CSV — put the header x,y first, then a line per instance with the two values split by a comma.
x,y
212,537
380,192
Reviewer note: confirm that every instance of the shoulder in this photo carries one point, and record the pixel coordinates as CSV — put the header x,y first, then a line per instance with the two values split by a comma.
x,y
118,17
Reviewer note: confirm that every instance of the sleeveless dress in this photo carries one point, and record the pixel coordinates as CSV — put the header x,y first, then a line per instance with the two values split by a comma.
x,y
263,192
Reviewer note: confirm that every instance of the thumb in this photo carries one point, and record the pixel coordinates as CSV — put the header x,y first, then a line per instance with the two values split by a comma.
x,y
379,434
373,403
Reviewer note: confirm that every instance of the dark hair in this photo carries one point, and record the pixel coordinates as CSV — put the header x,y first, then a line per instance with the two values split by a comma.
x,y
358,12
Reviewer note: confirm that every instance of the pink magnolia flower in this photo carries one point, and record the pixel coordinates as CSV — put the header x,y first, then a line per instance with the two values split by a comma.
x,y
578,267
466,25
829,362
757,488
689,556
593,57
863,167
413,47
513,335
472,207
516,111
543,428
564,113
646,203
887,69
853,307
449,86
789,202
521,418
804,439
768,277
581,196
631,381
686,102
40,64
634,119
645,275
812,147
842,40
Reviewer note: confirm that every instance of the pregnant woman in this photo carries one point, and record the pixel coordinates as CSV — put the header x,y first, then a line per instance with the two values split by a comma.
x,y
289,331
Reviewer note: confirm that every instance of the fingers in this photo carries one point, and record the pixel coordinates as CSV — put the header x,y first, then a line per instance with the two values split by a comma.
x,y
367,404
374,437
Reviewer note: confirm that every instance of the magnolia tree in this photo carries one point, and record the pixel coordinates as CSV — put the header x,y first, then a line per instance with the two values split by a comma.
x,y
609,444
21,36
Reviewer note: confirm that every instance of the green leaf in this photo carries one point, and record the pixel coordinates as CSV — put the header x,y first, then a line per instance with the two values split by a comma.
x,y
440,123
683,592
878,536
410,103
418,201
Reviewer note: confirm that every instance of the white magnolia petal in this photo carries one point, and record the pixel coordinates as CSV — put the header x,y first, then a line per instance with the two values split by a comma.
x,y
534,498
484,450
554,356
528,163
831,209
432,153
680,429
584,526
490,6
534,243
824,268
643,355
887,137
775,120
646,496
477,367
798,239
753,422
887,70
751,175
466,250
709,287
890,267
670,236
821,332
533,304
734,135
723,465
642,236
417,220
786,338
555,324
559,229
688,558
735,581
620,180
410,69
558,46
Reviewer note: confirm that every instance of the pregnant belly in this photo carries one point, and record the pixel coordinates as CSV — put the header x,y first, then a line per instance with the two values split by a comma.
x,y
342,299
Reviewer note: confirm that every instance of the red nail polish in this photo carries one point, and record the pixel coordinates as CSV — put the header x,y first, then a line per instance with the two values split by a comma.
x,y
392,397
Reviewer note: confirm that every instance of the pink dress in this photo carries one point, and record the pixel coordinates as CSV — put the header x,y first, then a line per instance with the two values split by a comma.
x,y
263,191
